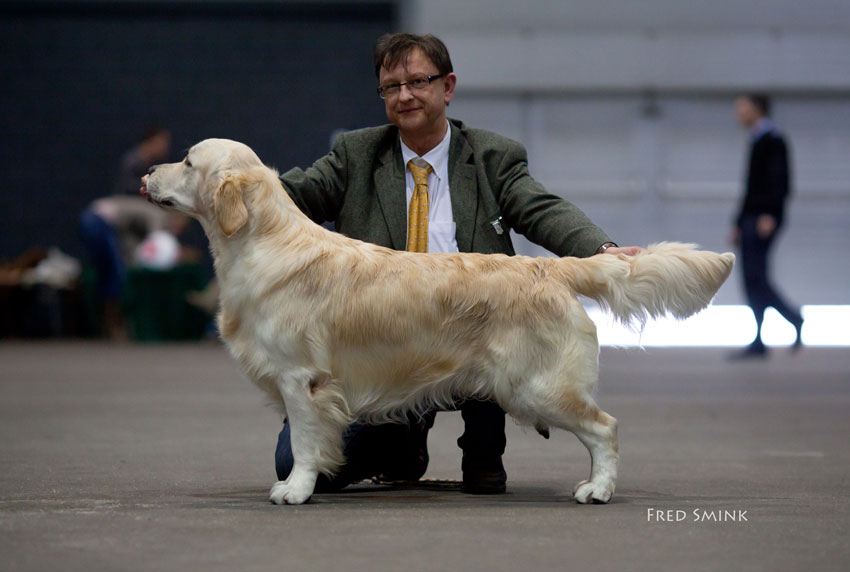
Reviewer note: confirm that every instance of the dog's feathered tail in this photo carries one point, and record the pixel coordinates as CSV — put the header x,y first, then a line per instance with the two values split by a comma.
x,y
666,277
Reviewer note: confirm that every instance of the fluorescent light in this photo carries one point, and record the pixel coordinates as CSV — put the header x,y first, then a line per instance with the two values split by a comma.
x,y
728,326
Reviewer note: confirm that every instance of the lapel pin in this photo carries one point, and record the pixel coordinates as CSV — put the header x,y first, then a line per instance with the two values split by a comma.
x,y
497,226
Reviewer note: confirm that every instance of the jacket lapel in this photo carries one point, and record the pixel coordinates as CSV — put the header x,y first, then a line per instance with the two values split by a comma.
x,y
463,189
390,189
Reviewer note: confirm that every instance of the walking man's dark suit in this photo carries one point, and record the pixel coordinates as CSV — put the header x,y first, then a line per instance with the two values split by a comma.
x,y
360,186
767,189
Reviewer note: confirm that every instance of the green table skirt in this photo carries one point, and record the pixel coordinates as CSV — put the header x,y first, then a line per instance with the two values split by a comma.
x,y
156,306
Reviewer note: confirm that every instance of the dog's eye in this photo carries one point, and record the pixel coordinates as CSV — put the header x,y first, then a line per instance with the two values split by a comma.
x,y
187,161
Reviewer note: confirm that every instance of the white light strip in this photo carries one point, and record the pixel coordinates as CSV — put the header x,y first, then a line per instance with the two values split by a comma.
x,y
729,326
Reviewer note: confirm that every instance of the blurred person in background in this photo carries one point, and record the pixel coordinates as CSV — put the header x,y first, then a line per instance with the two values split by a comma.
x,y
425,183
119,231
761,215
114,227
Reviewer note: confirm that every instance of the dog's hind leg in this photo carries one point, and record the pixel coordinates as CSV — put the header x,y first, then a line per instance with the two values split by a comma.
x,y
317,415
575,410
598,432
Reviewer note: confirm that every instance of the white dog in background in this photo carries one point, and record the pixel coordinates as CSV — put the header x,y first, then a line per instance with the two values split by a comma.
x,y
335,329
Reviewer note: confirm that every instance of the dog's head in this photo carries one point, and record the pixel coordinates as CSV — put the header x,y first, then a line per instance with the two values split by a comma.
x,y
207,185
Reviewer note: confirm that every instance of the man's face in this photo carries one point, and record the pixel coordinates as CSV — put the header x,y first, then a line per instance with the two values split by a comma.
x,y
417,111
746,111
159,146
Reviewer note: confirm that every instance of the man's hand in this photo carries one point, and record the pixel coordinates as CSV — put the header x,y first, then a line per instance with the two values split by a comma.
x,y
765,226
734,236
627,250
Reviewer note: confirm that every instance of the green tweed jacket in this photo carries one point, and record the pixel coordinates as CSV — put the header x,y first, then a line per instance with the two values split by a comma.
x,y
360,186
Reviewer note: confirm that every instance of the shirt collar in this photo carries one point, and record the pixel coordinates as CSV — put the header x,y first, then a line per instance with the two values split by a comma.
x,y
438,157
762,126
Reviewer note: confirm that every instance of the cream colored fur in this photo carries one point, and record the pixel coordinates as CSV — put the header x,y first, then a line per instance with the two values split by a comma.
x,y
335,329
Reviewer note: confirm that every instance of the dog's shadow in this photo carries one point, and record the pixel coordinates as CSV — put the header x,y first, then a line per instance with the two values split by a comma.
x,y
424,492
442,494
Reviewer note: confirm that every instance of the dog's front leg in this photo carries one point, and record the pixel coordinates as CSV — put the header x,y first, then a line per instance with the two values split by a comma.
x,y
303,419
317,416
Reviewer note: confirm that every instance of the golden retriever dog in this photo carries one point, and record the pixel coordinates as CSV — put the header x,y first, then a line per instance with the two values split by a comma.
x,y
334,329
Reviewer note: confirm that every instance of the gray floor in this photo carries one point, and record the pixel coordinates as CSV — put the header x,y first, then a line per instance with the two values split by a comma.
x,y
160,458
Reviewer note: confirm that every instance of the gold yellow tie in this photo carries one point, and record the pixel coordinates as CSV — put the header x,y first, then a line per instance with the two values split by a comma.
x,y
417,213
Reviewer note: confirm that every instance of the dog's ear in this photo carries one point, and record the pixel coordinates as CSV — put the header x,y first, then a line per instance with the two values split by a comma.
x,y
230,209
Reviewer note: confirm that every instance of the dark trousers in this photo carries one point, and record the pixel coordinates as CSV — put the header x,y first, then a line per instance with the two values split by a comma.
x,y
393,448
761,293
103,246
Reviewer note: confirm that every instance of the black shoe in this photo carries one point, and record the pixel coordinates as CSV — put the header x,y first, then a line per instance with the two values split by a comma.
x,y
798,343
752,351
483,475
414,443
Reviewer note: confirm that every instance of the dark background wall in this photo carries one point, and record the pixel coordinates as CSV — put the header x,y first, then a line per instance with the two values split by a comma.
x,y
80,81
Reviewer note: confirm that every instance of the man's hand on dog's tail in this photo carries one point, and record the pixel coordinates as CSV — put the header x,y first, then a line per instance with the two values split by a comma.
x,y
627,250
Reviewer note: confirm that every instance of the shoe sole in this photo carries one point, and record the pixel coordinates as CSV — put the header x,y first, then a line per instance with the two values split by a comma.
x,y
483,490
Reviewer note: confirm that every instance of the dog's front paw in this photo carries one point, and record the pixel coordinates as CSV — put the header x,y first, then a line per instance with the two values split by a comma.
x,y
290,493
590,492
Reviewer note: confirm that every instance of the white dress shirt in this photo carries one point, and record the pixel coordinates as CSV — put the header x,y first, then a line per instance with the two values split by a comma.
x,y
762,126
441,224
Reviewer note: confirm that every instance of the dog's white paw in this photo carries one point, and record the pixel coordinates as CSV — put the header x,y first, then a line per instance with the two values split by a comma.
x,y
590,492
290,493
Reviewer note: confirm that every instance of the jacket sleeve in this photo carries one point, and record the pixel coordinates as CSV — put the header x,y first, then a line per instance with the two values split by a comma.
x,y
545,219
768,182
777,187
319,190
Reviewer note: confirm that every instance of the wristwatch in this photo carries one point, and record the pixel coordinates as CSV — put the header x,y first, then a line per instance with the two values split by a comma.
x,y
605,247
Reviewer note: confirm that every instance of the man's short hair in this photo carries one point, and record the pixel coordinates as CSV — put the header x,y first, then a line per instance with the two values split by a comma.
x,y
153,130
394,48
761,101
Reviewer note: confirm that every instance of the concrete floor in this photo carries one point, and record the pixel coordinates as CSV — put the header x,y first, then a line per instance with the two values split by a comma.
x,y
160,458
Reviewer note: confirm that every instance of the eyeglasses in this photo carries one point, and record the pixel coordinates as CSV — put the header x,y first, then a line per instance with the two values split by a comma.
x,y
415,84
